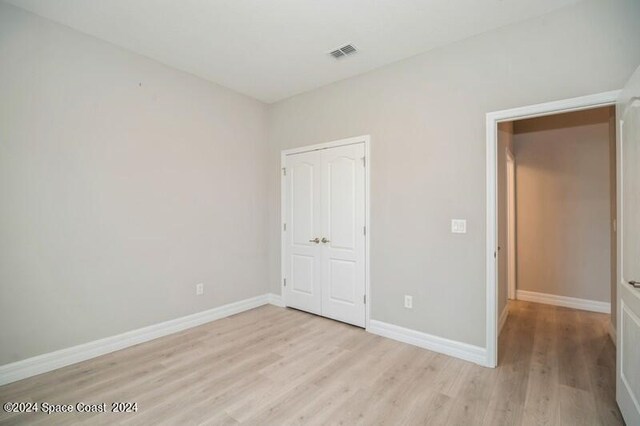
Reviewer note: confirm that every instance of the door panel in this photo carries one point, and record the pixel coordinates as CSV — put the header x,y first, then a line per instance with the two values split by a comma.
x,y
342,279
302,273
342,203
303,257
630,140
629,350
302,202
343,220
628,322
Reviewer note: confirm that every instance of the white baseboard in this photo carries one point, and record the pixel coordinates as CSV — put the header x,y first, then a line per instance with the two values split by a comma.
x,y
611,329
567,302
503,318
452,348
53,360
276,299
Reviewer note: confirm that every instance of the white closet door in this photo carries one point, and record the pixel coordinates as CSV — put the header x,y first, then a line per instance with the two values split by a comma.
x,y
303,254
343,246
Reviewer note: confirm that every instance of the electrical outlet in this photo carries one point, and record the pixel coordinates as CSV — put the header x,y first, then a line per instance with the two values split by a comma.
x,y
199,289
408,301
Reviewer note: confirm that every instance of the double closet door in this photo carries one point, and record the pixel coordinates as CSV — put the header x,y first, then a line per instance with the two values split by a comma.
x,y
324,232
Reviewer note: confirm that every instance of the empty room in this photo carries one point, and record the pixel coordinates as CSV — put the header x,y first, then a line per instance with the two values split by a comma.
x,y
320,212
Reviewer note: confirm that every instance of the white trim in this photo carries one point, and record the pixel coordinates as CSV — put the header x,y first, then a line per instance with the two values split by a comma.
x,y
611,331
619,228
492,120
503,318
326,145
366,139
566,301
53,360
275,300
449,347
555,107
511,224
367,219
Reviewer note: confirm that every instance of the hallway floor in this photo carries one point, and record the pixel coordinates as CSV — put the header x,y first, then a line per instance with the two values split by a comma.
x,y
556,366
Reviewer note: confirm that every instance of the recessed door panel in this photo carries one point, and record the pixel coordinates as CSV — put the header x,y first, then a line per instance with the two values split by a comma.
x,y
342,202
302,273
630,348
342,281
302,203
630,137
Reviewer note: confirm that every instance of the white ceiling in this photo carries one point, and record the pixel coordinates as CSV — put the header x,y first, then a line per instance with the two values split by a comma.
x,y
273,49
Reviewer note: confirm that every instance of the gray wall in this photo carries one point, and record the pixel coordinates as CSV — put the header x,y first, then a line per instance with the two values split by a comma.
x,y
426,117
564,204
123,184
505,141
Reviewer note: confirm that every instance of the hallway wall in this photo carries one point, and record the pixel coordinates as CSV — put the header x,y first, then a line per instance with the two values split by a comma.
x,y
505,140
563,204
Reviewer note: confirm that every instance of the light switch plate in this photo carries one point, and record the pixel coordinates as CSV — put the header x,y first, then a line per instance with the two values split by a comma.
x,y
458,226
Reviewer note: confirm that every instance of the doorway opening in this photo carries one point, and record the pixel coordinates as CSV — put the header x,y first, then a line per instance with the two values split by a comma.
x,y
518,261
556,257
556,226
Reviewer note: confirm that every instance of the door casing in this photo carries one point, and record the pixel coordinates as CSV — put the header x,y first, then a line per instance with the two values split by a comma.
x,y
511,224
366,139
492,120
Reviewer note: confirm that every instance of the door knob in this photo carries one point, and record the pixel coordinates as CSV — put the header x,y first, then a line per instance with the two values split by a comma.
x,y
315,240
324,240
635,284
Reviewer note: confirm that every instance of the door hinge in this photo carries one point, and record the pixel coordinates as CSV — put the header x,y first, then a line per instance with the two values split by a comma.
x,y
364,161
364,299
364,230
284,226
284,171
285,281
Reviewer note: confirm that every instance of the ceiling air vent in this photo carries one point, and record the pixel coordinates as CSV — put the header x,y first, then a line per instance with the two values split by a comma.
x,y
343,51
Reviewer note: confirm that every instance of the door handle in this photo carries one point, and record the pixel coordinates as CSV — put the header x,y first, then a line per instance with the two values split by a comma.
x,y
635,284
315,240
324,240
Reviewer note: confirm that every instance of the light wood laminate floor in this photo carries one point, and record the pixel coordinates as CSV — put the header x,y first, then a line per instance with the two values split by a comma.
x,y
274,366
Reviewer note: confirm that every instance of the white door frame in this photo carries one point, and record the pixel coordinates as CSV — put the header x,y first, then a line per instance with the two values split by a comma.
x,y
492,120
366,139
511,224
